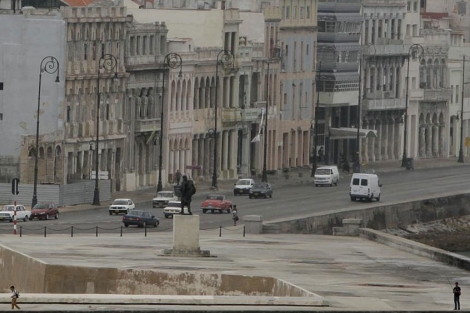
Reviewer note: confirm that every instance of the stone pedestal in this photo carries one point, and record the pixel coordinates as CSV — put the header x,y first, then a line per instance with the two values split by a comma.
x,y
350,227
186,237
253,224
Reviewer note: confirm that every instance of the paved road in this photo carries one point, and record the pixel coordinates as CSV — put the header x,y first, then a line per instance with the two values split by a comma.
x,y
288,201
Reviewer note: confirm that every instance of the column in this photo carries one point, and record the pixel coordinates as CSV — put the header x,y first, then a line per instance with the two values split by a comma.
x,y
395,29
225,150
194,155
182,159
385,140
233,148
378,141
202,97
207,155
435,141
429,141
441,140
422,141
391,141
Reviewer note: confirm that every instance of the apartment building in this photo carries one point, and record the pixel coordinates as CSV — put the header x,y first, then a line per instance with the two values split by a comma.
x,y
338,52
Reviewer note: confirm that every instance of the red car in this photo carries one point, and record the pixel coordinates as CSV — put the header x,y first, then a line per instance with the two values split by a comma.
x,y
218,203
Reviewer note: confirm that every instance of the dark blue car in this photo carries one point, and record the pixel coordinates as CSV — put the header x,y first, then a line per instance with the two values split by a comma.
x,y
140,218
261,190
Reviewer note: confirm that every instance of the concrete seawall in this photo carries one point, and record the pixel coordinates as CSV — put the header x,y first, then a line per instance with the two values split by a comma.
x,y
416,248
381,216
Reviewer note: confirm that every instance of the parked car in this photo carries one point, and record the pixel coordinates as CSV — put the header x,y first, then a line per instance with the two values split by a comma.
x,y
172,208
121,206
162,198
8,213
216,203
140,219
326,175
44,211
365,186
243,186
261,190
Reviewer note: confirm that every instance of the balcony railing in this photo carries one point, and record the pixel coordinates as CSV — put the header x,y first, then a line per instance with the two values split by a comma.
x,y
148,125
250,114
231,115
384,104
442,94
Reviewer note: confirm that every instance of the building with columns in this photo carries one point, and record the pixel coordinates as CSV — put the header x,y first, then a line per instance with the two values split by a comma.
x,y
384,79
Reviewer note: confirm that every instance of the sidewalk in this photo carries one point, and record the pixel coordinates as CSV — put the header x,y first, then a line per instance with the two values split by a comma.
x,y
300,175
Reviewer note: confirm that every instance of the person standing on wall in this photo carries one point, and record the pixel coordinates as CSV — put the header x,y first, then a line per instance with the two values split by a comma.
x,y
457,292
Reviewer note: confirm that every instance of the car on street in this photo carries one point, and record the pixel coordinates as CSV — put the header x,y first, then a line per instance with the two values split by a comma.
x,y
173,207
44,211
365,187
216,203
140,219
162,198
8,213
261,190
121,206
243,186
326,175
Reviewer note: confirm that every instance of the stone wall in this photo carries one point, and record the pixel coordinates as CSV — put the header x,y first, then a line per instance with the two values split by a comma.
x,y
383,216
9,168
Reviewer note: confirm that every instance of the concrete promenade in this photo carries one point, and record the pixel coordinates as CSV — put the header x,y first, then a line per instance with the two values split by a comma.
x,y
344,273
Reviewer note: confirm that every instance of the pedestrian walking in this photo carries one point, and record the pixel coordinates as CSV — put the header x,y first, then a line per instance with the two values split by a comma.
x,y
187,191
14,297
235,215
457,292
321,153
178,177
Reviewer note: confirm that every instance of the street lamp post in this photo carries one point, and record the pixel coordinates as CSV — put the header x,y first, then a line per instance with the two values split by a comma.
x,y
315,139
414,49
108,63
357,166
226,58
172,61
461,160
49,65
264,177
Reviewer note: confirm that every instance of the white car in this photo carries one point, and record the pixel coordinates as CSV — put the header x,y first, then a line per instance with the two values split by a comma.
x,y
8,212
172,208
162,198
121,206
243,186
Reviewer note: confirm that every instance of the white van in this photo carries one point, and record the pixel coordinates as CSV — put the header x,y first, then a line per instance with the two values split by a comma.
x,y
365,186
326,175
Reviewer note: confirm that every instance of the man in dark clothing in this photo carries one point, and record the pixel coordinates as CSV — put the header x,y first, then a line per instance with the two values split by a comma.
x,y
456,296
187,191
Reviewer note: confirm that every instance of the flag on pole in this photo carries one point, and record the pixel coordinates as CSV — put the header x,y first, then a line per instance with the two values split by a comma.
x,y
257,138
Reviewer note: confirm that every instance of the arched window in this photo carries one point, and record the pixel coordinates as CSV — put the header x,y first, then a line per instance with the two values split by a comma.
x,y
422,74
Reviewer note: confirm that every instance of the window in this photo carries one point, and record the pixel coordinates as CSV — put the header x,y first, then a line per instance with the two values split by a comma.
x,y
415,6
457,94
85,51
452,94
408,6
308,13
363,182
294,12
356,181
301,14
138,46
287,12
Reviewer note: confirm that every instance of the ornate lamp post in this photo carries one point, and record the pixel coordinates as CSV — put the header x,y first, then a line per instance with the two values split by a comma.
x,y
315,127
107,63
172,61
49,65
414,51
226,58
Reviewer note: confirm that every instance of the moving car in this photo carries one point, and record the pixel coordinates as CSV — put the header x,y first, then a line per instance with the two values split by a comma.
x,y
243,186
216,203
261,190
326,175
365,186
8,212
44,211
162,198
140,218
121,206
173,207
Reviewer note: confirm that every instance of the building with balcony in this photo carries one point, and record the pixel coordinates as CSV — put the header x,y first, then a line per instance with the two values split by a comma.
x,y
383,77
297,40
338,53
